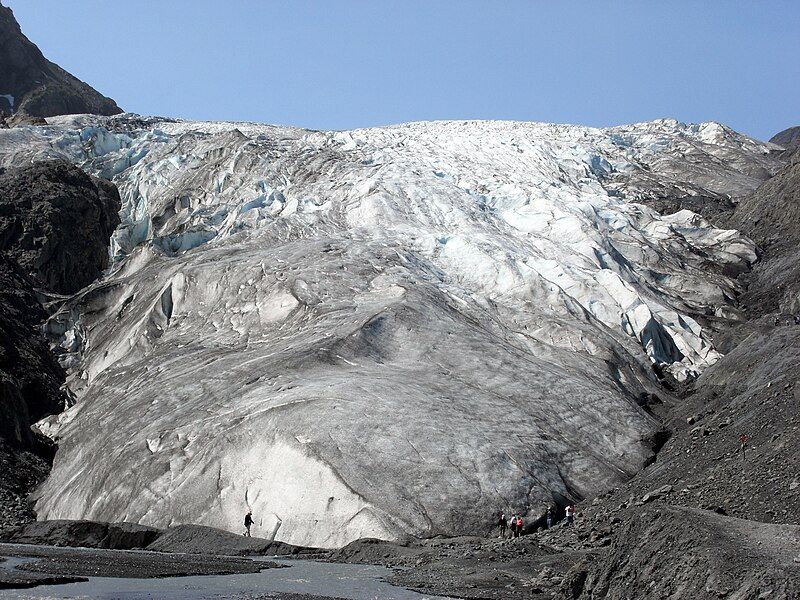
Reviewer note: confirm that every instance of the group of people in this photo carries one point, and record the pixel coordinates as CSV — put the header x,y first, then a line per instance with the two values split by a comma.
x,y
796,318
516,525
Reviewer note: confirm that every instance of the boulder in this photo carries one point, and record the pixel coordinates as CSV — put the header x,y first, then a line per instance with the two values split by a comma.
x,y
656,494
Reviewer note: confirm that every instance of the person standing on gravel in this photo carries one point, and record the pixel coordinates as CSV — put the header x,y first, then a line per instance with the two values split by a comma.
x,y
503,523
570,510
519,526
513,527
549,517
248,522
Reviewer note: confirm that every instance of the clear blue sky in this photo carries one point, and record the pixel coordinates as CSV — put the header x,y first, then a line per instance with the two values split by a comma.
x,y
336,65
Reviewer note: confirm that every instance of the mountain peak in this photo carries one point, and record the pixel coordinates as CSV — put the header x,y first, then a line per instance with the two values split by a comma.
x,y
32,85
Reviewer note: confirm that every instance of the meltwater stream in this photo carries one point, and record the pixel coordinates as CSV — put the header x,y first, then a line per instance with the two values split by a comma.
x,y
304,577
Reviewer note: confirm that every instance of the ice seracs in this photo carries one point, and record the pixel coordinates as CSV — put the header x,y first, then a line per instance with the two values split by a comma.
x,y
381,331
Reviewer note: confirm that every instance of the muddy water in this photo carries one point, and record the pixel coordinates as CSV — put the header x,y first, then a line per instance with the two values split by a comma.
x,y
356,582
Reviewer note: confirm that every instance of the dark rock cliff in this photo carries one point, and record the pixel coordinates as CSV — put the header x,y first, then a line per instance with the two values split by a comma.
x,y
30,377
55,224
30,388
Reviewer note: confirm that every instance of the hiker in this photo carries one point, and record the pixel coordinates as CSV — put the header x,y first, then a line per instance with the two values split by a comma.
x,y
513,527
503,525
519,526
776,321
549,517
570,510
248,521
742,444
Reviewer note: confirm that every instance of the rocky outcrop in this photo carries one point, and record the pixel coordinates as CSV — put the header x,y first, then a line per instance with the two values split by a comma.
x,y
56,221
715,208
31,84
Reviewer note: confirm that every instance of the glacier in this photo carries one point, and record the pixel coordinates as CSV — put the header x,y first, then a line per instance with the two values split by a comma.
x,y
386,331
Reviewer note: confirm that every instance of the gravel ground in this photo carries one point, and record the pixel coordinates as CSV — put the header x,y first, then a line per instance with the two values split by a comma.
x,y
23,579
84,562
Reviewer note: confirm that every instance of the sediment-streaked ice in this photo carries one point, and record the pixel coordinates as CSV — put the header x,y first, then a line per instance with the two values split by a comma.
x,y
381,331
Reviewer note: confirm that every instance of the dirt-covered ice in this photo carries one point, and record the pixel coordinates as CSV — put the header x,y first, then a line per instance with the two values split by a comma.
x,y
385,331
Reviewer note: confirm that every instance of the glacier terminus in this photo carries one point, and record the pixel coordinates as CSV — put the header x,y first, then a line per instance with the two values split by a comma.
x,y
386,331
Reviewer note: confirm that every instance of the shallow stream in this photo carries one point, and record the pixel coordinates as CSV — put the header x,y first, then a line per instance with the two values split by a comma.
x,y
356,582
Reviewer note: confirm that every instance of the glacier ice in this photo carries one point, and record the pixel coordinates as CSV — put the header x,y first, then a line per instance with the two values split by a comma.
x,y
381,331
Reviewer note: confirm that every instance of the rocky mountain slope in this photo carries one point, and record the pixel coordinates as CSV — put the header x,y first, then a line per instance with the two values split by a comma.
x,y
788,138
744,541
32,85
384,331
751,391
